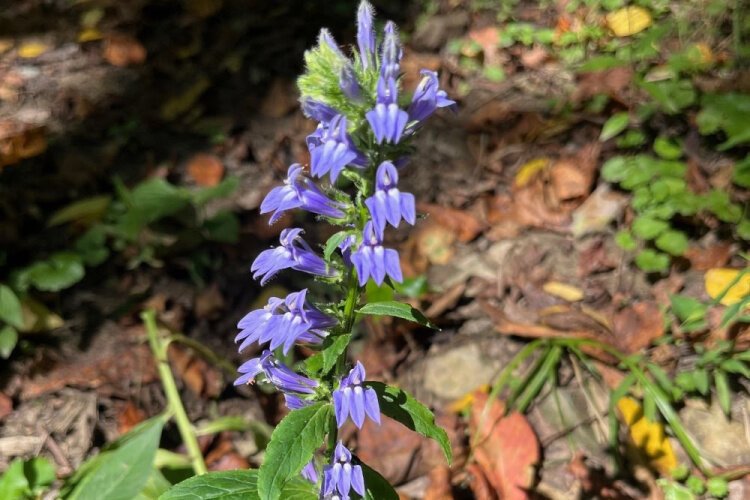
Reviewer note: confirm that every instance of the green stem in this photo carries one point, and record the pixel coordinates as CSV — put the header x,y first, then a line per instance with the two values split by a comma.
x,y
159,350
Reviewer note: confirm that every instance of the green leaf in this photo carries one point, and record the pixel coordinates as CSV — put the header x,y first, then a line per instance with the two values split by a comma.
x,y
8,341
685,381
324,360
156,485
648,228
397,310
376,486
292,445
221,190
723,394
736,366
332,244
672,95
60,271
616,124
667,149
741,173
651,261
616,168
700,380
674,491
673,242
26,479
412,287
691,312
726,112
717,487
121,471
224,485
13,482
92,246
401,406
10,307
224,227
624,239
84,211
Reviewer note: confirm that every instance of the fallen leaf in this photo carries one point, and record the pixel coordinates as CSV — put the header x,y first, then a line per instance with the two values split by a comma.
x,y
20,141
598,211
717,280
569,180
704,259
30,50
636,326
200,377
223,456
128,417
507,449
564,291
534,58
391,449
89,35
612,82
205,169
647,438
479,484
209,302
465,225
123,50
280,100
529,171
6,406
435,243
440,484
467,401
628,20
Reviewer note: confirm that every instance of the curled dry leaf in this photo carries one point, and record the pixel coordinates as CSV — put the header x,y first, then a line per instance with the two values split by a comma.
x,y
123,50
205,169
465,225
507,449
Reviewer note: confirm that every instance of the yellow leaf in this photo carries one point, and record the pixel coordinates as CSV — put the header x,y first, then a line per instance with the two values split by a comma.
x,y
564,291
31,50
464,402
647,437
629,20
528,171
717,280
89,35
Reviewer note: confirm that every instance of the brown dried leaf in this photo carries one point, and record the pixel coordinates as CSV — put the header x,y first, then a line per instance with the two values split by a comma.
x,y
507,449
703,259
209,302
6,406
280,100
200,377
435,243
128,417
391,449
19,141
440,484
465,225
479,484
636,326
205,169
123,50
612,82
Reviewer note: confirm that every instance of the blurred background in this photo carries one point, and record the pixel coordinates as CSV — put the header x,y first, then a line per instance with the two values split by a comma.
x,y
593,185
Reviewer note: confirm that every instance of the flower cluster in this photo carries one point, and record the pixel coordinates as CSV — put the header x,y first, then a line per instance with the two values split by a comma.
x,y
363,136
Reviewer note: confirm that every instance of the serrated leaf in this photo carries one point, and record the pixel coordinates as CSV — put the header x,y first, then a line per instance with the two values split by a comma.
x,y
324,360
226,485
616,124
121,471
10,307
292,445
402,407
376,486
397,310
332,244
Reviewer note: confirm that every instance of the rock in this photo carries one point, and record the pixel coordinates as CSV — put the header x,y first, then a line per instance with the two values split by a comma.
x,y
719,439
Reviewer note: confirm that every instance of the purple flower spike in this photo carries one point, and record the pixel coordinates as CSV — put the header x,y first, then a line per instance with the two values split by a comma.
x,y
428,97
294,253
309,472
333,150
386,119
318,111
277,373
388,204
365,34
299,191
340,477
372,260
353,399
284,322
349,84
391,52
325,37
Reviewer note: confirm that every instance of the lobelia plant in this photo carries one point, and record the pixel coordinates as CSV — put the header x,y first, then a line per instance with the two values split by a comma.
x,y
362,140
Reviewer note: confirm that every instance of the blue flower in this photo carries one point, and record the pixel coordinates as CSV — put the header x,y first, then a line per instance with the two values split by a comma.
x,y
365,34
386,119
318,111
349,84
428,97
331,150
390,58
372,260
282,322
326,38
277,373
299,191
353,399
340,477
294,253
388,204
309,472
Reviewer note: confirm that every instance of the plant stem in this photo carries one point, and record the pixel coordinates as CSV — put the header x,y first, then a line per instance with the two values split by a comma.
x,y
159,350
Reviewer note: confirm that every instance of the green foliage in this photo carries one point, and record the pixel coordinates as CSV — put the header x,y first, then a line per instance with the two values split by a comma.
x,y
121,470
292,445
26,479
401,406
376,486
234,485
397,310
332,348
726,113
614,126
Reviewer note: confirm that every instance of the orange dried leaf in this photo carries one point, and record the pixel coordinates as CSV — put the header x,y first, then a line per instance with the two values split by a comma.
x,y
205,169
123,50
507,449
